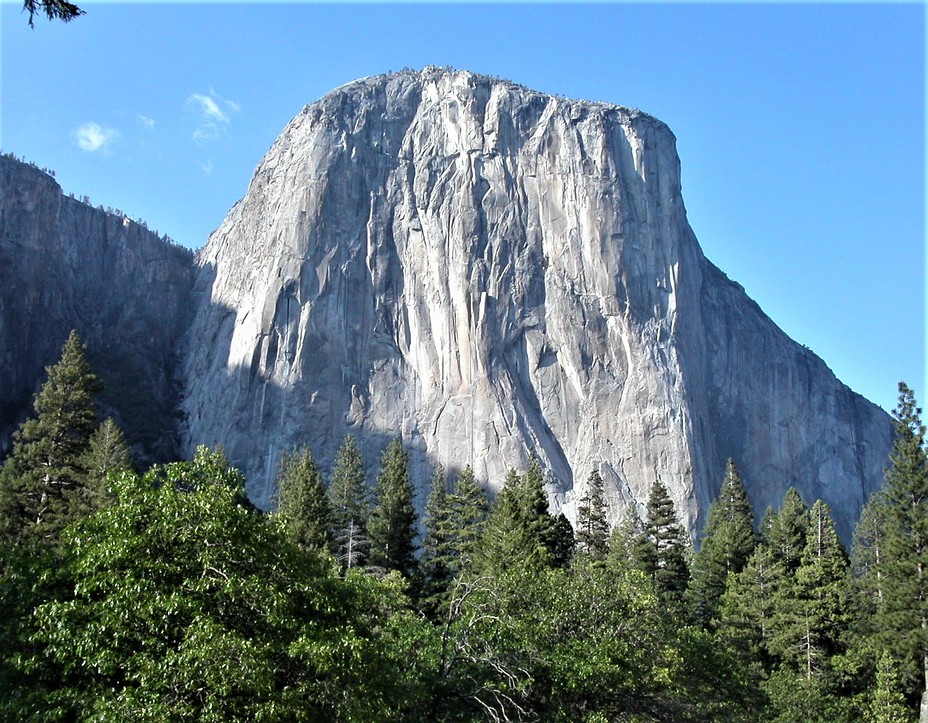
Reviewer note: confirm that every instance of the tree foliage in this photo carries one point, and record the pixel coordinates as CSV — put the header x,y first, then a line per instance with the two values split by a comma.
x,y
592,523
42,482
303,509
728,541
392,526
53,9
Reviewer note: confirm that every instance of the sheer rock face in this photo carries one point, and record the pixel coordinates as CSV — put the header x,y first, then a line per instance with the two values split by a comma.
x,y
491,272
66,265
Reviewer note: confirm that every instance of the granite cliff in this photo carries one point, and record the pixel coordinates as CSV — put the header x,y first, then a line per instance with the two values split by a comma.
x,y
491,272
67,265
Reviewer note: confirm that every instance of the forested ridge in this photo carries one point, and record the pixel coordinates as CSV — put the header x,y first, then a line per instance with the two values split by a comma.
x,y
163,594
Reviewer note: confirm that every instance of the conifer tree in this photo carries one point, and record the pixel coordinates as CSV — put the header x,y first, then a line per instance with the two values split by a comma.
x,y
468,510
661,549
592,525
887,702
435,563
728,542
747,608
350,503
42,481
903,616
562,542
392,527
810,616
303,512
519,527
622,542
786,534
107,454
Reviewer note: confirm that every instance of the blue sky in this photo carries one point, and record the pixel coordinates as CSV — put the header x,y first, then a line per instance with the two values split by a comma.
x,y
800,127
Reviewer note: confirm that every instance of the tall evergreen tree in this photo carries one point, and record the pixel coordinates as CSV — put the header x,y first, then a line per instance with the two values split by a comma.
x,y
350,502
661,549
519,526
43,479
392,525
786,533
728,541
592,525
453,523
903,616
810,612
303,512
747,608
468,510
435,562
107,454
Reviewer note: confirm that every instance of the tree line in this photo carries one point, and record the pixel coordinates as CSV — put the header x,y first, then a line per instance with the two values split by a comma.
x,y
165,594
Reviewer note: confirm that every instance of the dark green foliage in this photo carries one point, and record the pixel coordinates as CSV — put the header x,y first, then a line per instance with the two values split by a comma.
x,y
435,563
562,543
785,531
728,541
303,510
592,524
107,454
53,9
42,482
747,608
185,605
810,617
519,526
350,506
392,526
902,619
887,701
661,549
468,510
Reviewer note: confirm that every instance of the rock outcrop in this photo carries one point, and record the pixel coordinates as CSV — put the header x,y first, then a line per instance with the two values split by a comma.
x,y
491,272
66,265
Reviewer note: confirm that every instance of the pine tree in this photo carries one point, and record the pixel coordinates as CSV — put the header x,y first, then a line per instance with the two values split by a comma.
x,y
622,541
392,527
592,525
303,512
468,510
350,505
747,608
661,549
42,481
786,535
453,522
107,454
728,542
436,564
810,615
887,703
903,617
519,527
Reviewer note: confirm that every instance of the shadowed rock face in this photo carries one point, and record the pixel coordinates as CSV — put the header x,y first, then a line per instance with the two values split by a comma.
x,y
67,265
491,272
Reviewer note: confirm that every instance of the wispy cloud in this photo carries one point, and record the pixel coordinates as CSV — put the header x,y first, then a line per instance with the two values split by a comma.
x,y
146,121
213,112
207,167
93,137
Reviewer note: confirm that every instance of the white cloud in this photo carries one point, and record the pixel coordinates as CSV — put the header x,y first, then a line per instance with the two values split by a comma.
x,y
146,121
213,112
92,137
207,167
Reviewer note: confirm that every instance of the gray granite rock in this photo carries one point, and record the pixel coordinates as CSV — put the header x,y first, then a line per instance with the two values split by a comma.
x,y
67,265
491,272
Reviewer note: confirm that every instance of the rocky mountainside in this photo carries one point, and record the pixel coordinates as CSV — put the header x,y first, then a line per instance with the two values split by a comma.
x,y
491,272
66,265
